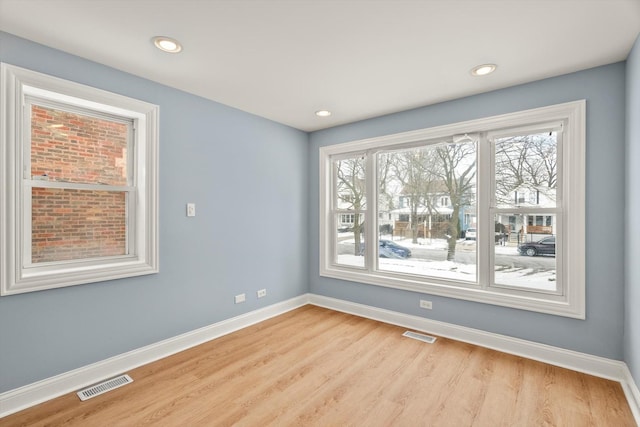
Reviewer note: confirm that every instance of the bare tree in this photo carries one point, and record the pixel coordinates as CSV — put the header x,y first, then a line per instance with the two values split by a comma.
x,y
457,170
385,178
528,161
413,170
350,174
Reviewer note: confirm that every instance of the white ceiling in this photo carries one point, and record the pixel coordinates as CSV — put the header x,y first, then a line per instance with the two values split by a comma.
x,y
285,59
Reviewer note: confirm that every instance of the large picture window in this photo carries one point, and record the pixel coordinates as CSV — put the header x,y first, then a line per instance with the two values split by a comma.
x,y
490,210
80,167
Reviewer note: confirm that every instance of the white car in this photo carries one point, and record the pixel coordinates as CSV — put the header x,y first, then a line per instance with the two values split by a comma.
x,y
470,234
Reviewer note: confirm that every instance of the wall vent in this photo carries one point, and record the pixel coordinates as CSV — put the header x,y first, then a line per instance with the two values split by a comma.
x,y
420,337
103,387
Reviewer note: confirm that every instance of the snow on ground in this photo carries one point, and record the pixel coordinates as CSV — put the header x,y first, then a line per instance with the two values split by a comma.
x,y
468,245
517,276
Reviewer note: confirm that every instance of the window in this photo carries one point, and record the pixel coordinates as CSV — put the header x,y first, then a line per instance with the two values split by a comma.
x,y
80,167
513,180
347,219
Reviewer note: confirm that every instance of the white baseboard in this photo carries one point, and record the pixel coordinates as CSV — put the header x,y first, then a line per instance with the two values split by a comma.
x,y
576,361
632,393
41,391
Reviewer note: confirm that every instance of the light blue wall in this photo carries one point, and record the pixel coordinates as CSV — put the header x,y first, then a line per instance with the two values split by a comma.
x,y
248,178
601,333
255,184
632,252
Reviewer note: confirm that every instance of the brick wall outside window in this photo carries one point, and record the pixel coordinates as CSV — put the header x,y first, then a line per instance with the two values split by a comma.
x,y
72,223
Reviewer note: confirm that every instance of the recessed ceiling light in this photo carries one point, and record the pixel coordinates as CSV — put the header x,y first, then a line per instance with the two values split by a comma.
x,y
167,44
483,70
323,113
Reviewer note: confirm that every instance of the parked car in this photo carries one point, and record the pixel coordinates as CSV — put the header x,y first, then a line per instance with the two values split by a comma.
x,y
389,249
546,246
470,234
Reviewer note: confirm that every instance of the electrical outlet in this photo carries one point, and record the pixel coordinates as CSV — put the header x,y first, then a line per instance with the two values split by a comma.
x,y
262,293
426,304
241,298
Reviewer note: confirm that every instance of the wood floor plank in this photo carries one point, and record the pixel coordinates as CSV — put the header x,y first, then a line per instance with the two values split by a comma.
x,y
317,367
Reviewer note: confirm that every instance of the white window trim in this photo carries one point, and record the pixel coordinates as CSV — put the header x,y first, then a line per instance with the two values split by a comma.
x,y
570,304
15,84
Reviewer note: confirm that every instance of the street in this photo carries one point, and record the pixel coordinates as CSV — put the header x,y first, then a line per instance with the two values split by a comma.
x,y
466,255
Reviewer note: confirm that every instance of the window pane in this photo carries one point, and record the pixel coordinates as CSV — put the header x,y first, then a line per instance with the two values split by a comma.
x,y
429,195
70,147
77,224
350,240
526,170
350,184
525,254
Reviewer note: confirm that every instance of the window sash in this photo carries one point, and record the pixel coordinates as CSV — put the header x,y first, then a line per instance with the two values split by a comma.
x,y
27,231
491,138
427,144
336,211
556,127
30,101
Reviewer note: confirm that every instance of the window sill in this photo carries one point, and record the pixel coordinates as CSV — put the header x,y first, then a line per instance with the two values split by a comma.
x,y
62,277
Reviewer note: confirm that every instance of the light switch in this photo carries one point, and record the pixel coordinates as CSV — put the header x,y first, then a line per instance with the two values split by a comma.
x,y
191,209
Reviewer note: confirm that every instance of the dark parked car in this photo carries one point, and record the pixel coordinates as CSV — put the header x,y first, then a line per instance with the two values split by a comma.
x,y
389,249
546,246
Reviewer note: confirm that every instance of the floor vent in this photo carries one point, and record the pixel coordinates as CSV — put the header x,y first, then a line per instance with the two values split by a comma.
x,y
420,337
104,387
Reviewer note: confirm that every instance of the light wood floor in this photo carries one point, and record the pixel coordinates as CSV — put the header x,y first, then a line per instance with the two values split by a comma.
x,y
316,367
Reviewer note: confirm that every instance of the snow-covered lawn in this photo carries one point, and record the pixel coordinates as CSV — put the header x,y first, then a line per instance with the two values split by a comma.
x,y
347,238
507,275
